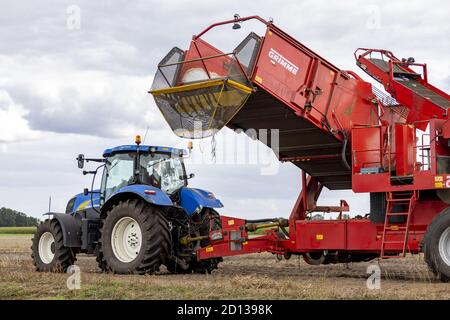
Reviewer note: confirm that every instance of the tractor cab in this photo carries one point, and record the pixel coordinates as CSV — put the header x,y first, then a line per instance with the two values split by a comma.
x,y
158,167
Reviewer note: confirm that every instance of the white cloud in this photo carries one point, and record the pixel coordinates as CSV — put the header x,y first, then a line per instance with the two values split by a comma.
x,y
60,97
13,126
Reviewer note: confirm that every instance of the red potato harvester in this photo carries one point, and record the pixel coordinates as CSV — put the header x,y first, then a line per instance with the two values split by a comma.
x,y
339,130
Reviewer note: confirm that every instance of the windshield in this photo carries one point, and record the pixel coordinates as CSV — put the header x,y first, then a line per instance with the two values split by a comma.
x,y
118,173
162,171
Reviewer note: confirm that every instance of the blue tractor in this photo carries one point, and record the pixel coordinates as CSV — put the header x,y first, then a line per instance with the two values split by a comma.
x,y
143,216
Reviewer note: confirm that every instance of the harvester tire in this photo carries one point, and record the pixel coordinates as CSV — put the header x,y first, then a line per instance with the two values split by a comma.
x,y
436,246
314,258
135,238
48,251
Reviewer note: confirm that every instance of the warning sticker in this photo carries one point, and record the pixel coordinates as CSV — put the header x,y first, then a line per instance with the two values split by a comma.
x,y
439,182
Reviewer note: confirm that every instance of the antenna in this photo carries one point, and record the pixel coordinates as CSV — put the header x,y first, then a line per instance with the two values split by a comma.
x,y
145,136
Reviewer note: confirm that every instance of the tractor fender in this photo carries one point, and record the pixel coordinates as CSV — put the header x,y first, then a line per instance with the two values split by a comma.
x,y
147,193
194,200
71,228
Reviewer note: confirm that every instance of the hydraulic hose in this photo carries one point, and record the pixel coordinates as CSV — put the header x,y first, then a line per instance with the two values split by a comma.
x,y
344,148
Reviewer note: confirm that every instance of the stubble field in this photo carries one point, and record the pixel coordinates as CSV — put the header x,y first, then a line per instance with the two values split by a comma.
x,y
258,276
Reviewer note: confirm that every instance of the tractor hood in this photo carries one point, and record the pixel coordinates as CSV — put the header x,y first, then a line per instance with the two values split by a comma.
x,y
194,200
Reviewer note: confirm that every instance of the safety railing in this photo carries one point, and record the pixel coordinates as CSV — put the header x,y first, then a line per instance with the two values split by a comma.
x,y
386,156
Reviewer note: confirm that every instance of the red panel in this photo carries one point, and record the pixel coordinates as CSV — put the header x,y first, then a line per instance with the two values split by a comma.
x,y
215,67
446,130
362,235
320,235
366,148
324,81
231,223
282,68
405,155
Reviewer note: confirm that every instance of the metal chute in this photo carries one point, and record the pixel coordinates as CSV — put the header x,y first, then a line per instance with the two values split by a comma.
x,y
198,97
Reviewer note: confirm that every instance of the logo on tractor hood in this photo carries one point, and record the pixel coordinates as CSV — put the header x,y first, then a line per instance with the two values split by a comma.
x,y
276,57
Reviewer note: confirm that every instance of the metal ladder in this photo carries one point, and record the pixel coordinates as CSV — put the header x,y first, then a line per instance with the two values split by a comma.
x,y
390,230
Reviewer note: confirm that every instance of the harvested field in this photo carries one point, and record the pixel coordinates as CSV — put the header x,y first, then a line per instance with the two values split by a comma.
x,y
258,276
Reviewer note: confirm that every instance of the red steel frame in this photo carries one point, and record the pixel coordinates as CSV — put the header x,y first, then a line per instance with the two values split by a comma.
x,y
421,108
369,127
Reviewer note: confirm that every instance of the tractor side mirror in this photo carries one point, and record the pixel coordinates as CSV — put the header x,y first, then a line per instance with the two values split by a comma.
x,y
190,176
85,191
80,160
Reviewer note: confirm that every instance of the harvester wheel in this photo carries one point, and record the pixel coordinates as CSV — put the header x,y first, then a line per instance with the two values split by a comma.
x,y
48,251
436,246
135,239
314,258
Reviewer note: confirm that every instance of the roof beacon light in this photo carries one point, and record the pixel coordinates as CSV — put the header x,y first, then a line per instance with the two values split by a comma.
x,y
138,140
236,24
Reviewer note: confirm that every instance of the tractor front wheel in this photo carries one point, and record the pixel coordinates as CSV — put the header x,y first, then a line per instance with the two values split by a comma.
x,y
48,251
135,239
436,246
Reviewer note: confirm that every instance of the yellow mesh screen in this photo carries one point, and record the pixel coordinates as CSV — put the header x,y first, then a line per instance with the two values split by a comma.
x,y
201,109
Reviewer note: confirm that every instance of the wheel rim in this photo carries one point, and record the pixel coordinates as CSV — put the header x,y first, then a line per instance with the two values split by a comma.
x,y
47,247
126,239
444,246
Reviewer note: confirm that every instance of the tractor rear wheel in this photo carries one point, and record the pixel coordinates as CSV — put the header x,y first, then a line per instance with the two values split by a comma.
x,y
135,239
48,251
436,246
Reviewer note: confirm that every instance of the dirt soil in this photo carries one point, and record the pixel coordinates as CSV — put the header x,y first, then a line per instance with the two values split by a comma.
x,y
258,276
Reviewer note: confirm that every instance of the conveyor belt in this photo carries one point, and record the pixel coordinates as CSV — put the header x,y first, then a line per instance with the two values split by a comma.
x,y
411,81
384,65
424,92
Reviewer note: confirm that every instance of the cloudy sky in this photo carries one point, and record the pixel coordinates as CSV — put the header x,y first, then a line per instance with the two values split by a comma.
x,y
70,86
